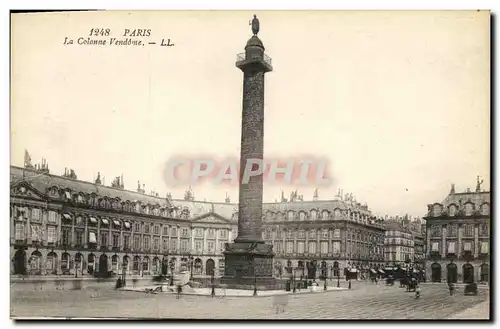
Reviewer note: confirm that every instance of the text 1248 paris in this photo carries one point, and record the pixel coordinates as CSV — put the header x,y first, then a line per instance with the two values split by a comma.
x,y
103,42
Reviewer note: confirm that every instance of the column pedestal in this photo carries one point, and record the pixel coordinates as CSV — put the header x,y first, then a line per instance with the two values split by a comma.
x,y
248,264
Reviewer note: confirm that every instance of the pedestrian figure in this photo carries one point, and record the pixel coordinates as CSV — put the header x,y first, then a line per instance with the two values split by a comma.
x,y
451,288
280,302
179,291
417,292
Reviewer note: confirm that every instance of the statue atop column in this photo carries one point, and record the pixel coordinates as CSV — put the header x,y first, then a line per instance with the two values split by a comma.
x,y
255,25
478,186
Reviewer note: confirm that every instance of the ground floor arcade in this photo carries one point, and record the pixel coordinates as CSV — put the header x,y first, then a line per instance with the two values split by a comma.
x,y
458,271
44,261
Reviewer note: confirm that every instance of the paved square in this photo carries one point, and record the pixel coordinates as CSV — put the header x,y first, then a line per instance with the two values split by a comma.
x,y
364,301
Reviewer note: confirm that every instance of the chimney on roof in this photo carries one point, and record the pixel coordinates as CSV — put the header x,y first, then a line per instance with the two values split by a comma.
x,y
98,179
315,195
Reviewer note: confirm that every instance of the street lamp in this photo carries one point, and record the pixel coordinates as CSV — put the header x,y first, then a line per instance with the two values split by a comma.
x,y
191,273
254,276
293,279
124,273
172,267
338,278
212,279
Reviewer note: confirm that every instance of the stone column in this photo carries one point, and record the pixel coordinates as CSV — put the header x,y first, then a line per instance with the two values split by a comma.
x,y
476,241
459,246
318,244
252,148
443,240
98,237
217,241
27,231
178,240
428,243
110,237
85,237
295,245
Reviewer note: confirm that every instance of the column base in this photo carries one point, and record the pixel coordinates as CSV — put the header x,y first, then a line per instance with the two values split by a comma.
x,y
248,264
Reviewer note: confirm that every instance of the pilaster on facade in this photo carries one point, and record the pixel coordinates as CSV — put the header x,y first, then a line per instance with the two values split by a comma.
x,y
476,241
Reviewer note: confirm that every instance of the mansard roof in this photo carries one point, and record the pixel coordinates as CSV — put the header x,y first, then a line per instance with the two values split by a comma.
x,y
306,206
200,208
393,225
42,182
478,198
229,210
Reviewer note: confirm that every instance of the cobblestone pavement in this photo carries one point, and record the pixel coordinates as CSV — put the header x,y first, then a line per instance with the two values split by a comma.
x,y
479,312
364,301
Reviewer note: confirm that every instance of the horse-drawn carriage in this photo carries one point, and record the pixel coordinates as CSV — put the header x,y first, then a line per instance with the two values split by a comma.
x,y
470,289
411,285
390,280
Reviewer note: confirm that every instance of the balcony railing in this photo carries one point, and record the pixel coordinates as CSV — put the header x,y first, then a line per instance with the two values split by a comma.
x,y
242,56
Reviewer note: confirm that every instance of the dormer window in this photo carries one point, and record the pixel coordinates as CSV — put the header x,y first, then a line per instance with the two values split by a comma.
x,y
68,195
469,209
54,192
485,209
436,210
452,210
79,198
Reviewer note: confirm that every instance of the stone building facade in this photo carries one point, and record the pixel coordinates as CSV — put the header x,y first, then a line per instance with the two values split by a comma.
x,y
64,226
458,237
60,225
399,242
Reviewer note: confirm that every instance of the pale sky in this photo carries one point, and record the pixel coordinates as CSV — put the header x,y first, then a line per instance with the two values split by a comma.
x,y
397,101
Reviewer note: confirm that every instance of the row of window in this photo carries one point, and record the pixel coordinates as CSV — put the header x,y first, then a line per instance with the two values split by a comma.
x,y
116,204
452,247
452,229
325,247
398,257
398,234
399,241
22,213
270,234
313,215
108,239
454,210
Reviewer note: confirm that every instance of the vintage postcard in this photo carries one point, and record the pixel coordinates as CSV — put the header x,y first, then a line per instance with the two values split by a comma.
x,y
250,165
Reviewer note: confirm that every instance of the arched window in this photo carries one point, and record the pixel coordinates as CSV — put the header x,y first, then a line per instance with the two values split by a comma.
x,y
469,209
452,210
436,210
485,209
